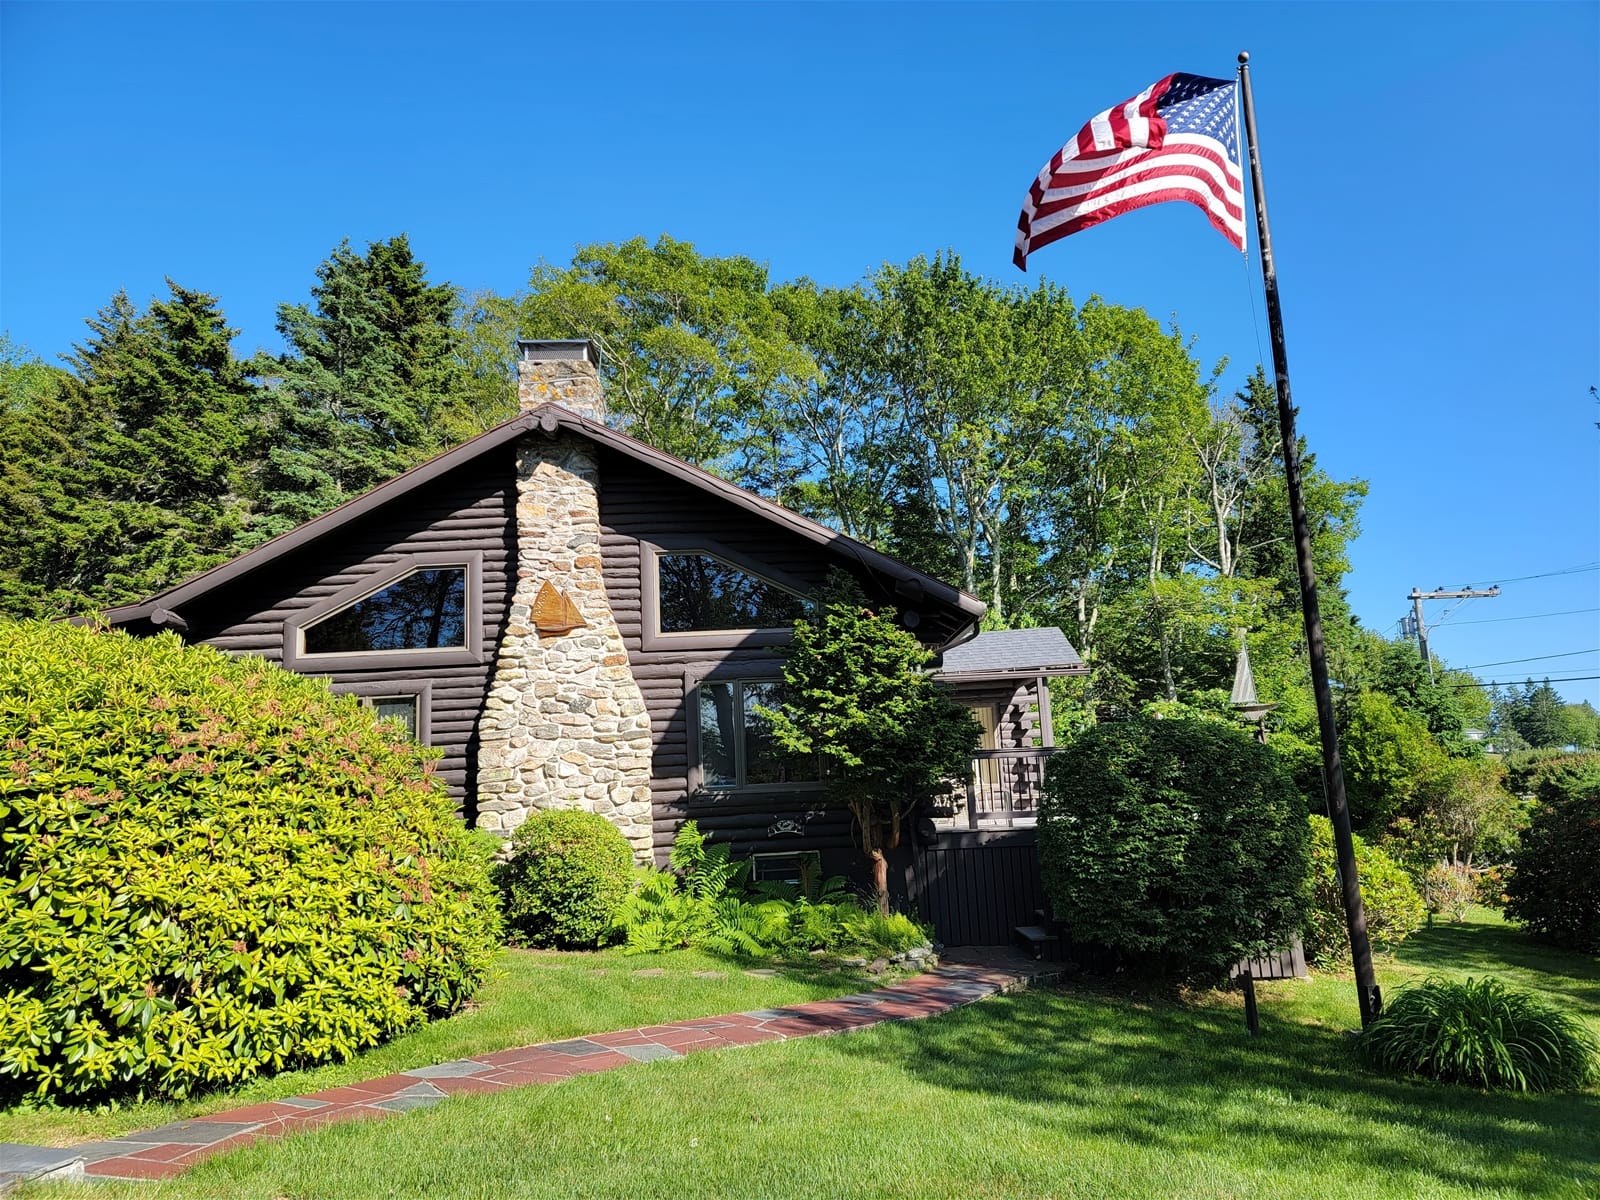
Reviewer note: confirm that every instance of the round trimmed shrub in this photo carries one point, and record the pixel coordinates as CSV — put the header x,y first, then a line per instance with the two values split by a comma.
x,y
1482,1034
211,868
1554,888
568,875
1394,908
1180,843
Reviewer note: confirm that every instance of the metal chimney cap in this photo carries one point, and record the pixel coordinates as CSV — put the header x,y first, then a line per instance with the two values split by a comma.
x,y
558,350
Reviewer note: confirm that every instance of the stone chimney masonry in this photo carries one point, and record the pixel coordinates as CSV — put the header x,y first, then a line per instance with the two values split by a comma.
x,y
565,724
565,373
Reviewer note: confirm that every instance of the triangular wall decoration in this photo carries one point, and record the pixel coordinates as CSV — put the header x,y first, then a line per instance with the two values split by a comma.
x,y
554,612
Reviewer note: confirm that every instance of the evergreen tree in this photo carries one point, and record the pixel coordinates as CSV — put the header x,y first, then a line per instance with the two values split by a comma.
x,y
124,478
374,382
1535,711
40,461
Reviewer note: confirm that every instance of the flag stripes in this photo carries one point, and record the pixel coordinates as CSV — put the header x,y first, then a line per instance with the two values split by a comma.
x,y
1176,140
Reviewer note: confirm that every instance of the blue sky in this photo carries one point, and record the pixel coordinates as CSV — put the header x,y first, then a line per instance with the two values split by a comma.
x,y
1432,171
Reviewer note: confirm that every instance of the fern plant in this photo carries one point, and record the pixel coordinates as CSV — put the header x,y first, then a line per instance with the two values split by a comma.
x,y
707,900
1483,1034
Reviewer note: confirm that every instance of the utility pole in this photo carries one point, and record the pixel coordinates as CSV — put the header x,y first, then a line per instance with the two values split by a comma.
x,y
1420,628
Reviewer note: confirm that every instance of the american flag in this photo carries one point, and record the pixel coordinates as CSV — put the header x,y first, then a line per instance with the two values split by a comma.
x,y
1176,140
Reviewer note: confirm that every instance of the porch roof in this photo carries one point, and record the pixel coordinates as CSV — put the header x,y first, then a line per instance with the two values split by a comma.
x,y
1010,653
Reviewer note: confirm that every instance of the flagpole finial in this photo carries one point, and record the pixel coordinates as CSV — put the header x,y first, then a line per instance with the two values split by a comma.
x,y
1244,57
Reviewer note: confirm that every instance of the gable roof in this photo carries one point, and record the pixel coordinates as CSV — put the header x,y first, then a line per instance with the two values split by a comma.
x,y
1007,653
911,585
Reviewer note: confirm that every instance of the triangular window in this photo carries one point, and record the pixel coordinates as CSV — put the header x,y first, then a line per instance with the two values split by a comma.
x,y
702,592
422,610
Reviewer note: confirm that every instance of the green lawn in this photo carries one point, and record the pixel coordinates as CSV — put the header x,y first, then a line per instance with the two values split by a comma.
x,y
1051,1093
533,996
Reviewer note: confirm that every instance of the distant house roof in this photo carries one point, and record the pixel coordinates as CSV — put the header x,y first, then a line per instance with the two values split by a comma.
x,y
1003,653
961,611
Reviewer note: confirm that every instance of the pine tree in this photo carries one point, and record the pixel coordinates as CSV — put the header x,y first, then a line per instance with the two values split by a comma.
x,y
125,477
374,382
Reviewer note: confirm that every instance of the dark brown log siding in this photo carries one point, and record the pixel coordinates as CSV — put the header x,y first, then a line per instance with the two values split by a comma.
x,y
637,504
471,509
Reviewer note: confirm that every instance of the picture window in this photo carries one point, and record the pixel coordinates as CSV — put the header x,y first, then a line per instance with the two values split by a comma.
x,y
425,609
737,748
700,592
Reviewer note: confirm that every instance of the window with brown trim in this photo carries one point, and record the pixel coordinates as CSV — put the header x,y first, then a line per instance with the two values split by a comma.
x,y
699,593
737,749
420,610
425,609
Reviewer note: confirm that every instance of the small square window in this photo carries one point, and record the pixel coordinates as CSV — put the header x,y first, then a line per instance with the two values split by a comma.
x,y
802,869
395,708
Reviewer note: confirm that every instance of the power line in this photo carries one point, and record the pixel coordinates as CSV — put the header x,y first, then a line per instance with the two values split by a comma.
x,y
1577,570
1491,683
1566,612
1506,662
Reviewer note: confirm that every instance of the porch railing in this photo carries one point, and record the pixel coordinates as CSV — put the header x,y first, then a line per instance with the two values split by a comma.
x,y
1005,786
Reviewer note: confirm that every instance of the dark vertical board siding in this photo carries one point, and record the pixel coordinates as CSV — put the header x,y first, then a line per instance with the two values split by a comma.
x,y
472,508
977,894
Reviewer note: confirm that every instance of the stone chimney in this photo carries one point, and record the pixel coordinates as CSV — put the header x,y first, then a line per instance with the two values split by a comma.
x,y
560,372
565,724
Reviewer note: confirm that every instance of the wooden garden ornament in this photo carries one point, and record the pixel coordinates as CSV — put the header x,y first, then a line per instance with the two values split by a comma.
x,y
554,612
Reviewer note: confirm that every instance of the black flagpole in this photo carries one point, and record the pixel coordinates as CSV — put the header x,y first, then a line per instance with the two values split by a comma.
x,y
1367,993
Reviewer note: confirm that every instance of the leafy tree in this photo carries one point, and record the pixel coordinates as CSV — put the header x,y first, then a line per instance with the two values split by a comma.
x,y
1388,755
1555,888
1465,817
693,348
833,437
375,381
858,695
1579,726
1178,841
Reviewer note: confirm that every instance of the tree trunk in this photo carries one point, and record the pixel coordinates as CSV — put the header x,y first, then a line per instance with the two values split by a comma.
x,y
880,880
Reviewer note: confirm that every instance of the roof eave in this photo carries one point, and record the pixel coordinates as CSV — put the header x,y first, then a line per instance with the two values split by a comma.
x,y
1056,672
547,418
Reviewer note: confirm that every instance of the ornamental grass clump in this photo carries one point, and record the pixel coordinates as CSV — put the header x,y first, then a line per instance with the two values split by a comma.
x,y
211,868
1483,1034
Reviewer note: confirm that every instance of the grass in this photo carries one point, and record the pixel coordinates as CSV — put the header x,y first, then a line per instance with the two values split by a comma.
x,y
1061,1093
533,996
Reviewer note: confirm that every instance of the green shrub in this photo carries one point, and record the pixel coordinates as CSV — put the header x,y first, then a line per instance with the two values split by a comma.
x,y
1482,1034
1448,890
1180,843
569,872
1393,906
1529,772
211,868
1554,888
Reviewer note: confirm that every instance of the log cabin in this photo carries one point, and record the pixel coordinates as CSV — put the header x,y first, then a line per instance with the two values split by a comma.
x,y
577,619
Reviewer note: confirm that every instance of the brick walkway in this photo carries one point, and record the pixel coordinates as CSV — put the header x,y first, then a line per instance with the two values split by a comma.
x,y
170,1149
